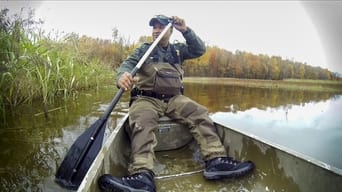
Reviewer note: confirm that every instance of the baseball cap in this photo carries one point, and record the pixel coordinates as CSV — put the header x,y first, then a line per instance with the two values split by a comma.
x,y
162,19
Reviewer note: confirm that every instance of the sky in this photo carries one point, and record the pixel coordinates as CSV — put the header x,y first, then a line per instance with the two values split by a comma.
x,y
307,32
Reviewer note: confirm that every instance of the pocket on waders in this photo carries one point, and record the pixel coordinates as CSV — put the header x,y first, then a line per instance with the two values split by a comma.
x,y
167,81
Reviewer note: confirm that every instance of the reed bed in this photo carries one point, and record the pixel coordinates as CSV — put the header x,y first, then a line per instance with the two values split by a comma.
x,y
34,67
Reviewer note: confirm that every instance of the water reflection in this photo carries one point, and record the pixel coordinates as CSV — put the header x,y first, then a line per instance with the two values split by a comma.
x,y
236,98
308,122
31,146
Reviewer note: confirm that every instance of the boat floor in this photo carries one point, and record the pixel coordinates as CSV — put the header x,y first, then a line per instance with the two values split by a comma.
x,y
180,170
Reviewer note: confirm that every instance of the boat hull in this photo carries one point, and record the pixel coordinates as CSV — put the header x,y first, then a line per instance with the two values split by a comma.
x,y
277,169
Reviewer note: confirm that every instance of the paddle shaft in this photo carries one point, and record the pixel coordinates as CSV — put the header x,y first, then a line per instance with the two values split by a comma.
x,y
115,100
134,71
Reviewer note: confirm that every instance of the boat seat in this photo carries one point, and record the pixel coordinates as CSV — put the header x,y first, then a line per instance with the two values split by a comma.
x,y
171,135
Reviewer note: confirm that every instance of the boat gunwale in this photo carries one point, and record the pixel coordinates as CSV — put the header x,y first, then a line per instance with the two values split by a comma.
x,y
282,148
85,184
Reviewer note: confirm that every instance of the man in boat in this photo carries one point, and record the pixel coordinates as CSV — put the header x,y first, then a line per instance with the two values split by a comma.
x,y
158,91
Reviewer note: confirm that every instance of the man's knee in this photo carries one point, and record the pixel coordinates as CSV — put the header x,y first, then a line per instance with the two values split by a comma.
x,y
192,109
144,116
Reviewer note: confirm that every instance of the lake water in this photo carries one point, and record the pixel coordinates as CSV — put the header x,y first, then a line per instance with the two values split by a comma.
x,y
31,146
307,122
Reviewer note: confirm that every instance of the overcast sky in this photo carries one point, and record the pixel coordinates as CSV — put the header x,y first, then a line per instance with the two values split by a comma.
x,y
302,31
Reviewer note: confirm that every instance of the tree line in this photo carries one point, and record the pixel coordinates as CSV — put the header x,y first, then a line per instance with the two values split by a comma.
x,y
216,62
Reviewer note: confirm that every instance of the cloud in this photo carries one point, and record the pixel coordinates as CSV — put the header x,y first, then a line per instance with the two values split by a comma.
x,y
16,6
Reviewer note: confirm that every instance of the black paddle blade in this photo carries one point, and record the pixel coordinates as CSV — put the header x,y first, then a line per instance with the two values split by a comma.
x,y
80,156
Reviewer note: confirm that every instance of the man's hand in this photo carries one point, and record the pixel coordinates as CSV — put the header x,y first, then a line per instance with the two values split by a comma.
x,y
126,81
179,24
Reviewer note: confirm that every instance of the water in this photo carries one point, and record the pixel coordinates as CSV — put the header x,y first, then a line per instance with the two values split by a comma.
x,y
313,129
32,147
307,122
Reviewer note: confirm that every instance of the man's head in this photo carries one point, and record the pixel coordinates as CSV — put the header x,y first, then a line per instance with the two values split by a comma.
x,y
158,23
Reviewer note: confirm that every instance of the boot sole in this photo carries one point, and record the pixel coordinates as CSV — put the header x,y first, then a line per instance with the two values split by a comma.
x,y
118,187
112,186
227,174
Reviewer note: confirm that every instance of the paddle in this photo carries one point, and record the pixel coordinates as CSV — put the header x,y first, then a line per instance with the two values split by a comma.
x,y
86,147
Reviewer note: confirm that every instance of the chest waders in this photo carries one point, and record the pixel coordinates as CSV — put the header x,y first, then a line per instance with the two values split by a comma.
x,y
161,75
158,93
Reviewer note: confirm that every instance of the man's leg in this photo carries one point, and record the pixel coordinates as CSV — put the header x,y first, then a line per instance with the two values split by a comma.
x,y
195,116
143,119
218,165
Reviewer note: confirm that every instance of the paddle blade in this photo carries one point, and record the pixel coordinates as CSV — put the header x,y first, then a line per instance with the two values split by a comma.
x,y
80,156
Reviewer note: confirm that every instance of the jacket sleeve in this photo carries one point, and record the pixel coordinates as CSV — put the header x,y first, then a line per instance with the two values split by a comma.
x,y
131,61
194,46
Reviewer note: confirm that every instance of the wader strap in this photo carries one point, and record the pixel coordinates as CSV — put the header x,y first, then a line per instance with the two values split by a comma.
x,y
153,94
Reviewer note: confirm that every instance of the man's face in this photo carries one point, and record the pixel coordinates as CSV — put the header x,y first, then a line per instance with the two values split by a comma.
x,y
157,29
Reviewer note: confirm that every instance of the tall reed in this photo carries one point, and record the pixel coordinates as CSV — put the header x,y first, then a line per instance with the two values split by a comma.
x,y
32,66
